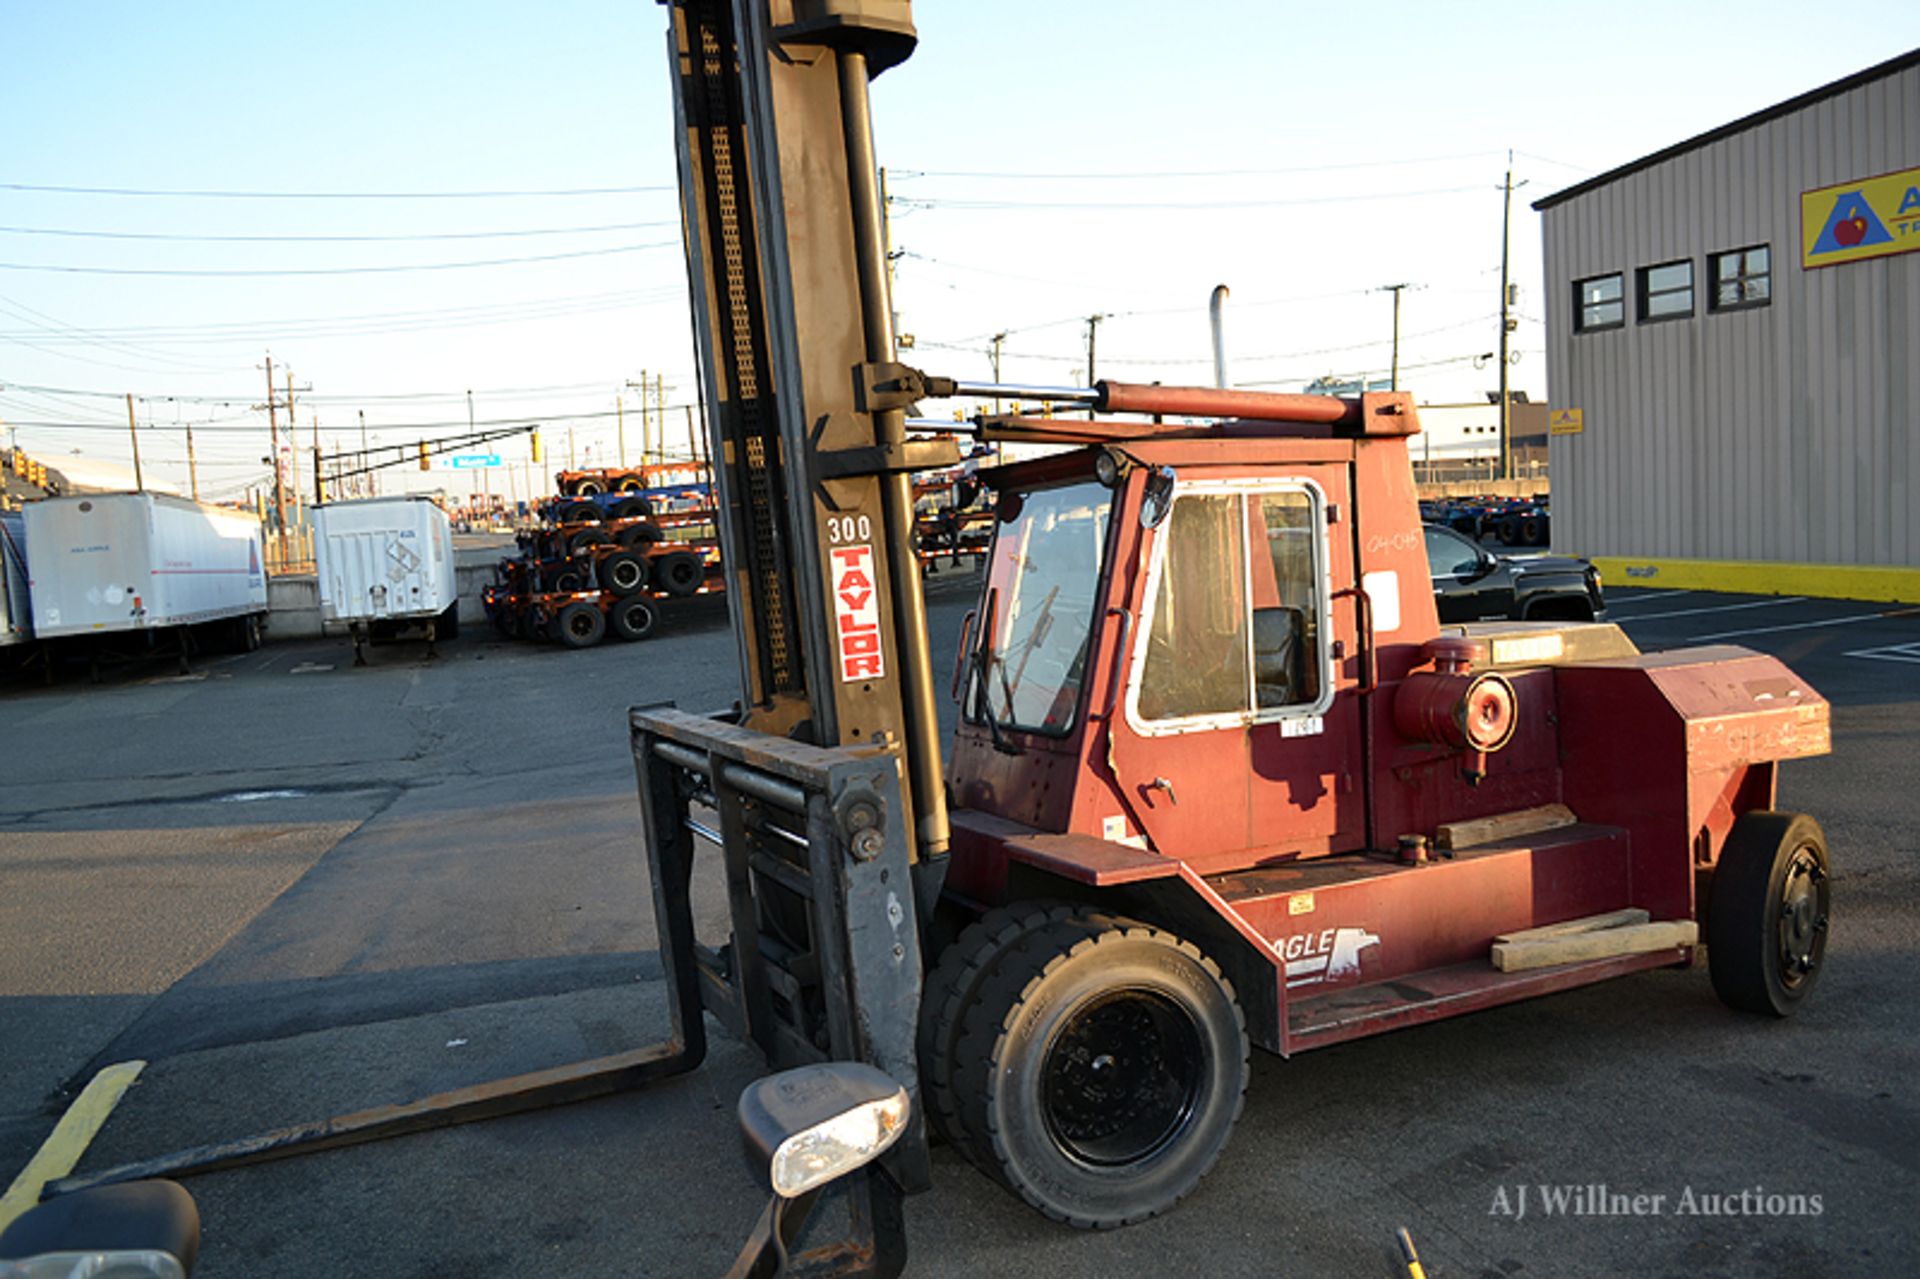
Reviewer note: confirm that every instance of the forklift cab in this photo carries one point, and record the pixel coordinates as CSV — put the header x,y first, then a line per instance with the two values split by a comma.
x,y
1170,647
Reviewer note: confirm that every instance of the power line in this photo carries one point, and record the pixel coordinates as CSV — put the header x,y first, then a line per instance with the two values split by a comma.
x,y
990,206
1136,175
338,270
331,195
332,239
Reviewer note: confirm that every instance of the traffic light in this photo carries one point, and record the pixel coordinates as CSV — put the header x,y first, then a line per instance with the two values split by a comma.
x,y
533,447
426,463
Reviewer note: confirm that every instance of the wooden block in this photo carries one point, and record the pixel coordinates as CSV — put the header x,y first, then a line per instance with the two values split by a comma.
x,y
1633,939
1488,830
1591,924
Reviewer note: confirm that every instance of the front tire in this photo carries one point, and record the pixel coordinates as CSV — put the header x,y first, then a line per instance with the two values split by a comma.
x,y
1100,1068
1768,913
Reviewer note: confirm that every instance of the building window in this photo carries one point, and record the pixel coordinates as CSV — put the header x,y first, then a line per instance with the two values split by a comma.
x,y
1742,278
1599,303
1666,291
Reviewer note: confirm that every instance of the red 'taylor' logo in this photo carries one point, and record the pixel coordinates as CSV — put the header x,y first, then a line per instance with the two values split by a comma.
x,y
857,613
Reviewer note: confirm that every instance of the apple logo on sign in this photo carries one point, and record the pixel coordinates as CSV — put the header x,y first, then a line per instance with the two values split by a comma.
x,y
1850,230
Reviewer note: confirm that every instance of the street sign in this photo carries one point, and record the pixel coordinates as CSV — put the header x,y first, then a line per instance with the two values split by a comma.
x,y
473,461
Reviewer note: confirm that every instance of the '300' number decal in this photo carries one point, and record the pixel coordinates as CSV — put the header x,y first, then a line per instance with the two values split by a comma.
x,y
848,528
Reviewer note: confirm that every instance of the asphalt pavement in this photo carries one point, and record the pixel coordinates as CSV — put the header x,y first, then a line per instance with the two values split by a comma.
x,y
295,888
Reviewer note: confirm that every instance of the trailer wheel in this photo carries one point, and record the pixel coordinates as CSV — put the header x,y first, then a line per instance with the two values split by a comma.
x,y
447,625
629,484
588,538
679,573
624,572
633,508
638,535
1101,1069
589,488
580,625
246,633
570,579
952,988
632,619
1768,911
579,513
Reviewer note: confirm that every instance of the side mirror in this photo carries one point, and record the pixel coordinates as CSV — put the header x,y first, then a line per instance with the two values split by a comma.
x,y
806,1127
803,1130
1158,498
139,1228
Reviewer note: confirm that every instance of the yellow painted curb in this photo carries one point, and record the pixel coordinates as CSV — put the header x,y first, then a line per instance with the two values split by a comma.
x,y
70,1137
1750,577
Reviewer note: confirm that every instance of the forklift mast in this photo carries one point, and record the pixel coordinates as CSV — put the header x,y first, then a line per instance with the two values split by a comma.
x,y
793,327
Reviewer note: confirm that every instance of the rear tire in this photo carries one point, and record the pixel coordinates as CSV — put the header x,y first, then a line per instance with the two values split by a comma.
x,y
632,619
579,513
1101,1068
633,508
634,536
624,573
447,625
1768,913
586,539
580,625
679,573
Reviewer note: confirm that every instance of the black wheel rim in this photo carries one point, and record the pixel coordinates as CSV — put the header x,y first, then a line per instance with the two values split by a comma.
x,y
1122,1077
626,576
580,625
1803,918
639,620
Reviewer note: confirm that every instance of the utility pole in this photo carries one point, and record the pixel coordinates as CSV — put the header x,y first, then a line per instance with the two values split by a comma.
x,y
319,473
193,471
1396,290
279,471
660,416
620,418
1093,331
138,486
366,459
1507,324
293,441
570,462
993,354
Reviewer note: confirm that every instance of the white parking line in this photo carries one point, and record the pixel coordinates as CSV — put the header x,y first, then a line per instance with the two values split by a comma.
x,y
1891,653
1723,608
1642,599
1795,626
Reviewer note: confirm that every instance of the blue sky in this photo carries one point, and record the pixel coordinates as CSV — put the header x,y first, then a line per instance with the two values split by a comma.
x,y
1048,162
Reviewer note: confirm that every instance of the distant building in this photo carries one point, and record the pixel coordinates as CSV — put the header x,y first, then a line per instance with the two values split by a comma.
x,y
1733,331
1460,443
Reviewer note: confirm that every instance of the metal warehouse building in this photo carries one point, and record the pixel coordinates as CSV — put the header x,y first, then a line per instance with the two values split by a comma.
x,y
1733,351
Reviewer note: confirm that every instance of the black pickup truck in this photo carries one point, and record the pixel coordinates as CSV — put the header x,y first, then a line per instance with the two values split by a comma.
x,y
1472,584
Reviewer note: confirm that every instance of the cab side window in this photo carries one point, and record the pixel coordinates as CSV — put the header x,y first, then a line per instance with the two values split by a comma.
x,y
1197,651
1236,626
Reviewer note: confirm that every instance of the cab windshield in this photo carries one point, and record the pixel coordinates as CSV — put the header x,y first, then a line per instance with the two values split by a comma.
x,y
1042,581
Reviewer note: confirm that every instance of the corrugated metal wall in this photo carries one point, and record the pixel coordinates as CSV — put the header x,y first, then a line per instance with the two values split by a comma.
x,y
1785,433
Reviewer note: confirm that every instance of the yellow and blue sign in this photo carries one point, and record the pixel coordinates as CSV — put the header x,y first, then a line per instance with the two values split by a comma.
x,y
1864,218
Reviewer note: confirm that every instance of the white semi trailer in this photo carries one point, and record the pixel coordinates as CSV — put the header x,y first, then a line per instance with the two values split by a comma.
x,y
145,566
385,565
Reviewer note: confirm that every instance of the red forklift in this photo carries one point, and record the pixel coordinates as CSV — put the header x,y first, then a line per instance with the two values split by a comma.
x,y
1221,779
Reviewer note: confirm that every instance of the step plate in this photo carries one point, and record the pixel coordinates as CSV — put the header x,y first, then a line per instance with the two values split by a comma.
x,y
1340,1015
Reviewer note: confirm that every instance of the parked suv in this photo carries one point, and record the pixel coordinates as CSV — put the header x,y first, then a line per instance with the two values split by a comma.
x,y
1471,583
